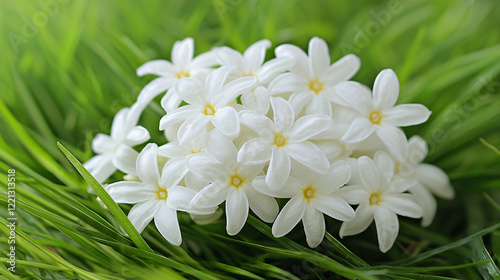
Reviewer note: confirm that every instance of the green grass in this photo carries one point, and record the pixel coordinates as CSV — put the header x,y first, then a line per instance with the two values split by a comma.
x,y
64,79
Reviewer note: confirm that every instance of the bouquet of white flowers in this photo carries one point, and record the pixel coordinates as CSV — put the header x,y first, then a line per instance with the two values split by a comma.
x,y
248,132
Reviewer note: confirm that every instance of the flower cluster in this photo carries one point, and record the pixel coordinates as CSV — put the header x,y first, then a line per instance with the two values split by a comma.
x,y
252,131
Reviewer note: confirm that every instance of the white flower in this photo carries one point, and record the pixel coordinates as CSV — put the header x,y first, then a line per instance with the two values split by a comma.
x,y
312,79
157,195
378,113
282,139
251,63
114,151
208,103
230,182
311,194
380,197
183,65
430,179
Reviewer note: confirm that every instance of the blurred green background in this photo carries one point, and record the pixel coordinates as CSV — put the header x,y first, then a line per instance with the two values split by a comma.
x,y
66,67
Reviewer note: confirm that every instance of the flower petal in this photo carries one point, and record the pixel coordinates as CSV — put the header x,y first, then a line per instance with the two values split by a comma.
x,y
357,96
216,80
359,130
385,165
210,196
289,216
314,226
204,60
362,219
309,126
427,203
369,173
168,225
284,115
279,169
147,164
387,227
257,100
183,52
309,155
130,192
154,88
234,89
125,159
406,115
101,167
173,172
385,90
338,175
265,207
257,122
343,69
236,211
395,141
142,213
158,67
292,187
103,143
179,198
288,82
191,90
319,104
171,100
191,128
435,180
272,68
176,116
255,151
226,121
402,204
206,166
334,207
255,54
319,56
417,149
301,66
300,99
228,56
136,136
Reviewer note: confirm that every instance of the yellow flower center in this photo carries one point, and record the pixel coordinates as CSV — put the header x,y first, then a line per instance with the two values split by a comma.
x,y
316,86
161,193
309,193
375,117
279,140
236,181
375,198
182,74
209,110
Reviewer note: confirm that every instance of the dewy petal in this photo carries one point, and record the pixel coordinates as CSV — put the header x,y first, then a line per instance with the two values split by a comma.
x,y
309,126
227,122
301,66
435,180
158,67
385,90
211,195
314,226
265,207
236,211
309,155
205,166
279,169
319,56
130,192
183,52
191,90
192,128
171,100
343,69
125,159
362,219
147,164
154,88
406,115
289,216
395,141
272,68
142,213
255,151
176,116
387,227
369,173
402,204
101,167
103,143
358,97
257,100
234,89
136,136
257,122
284,115
334,207
255,54
167,224
172,173
288,82
359,130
